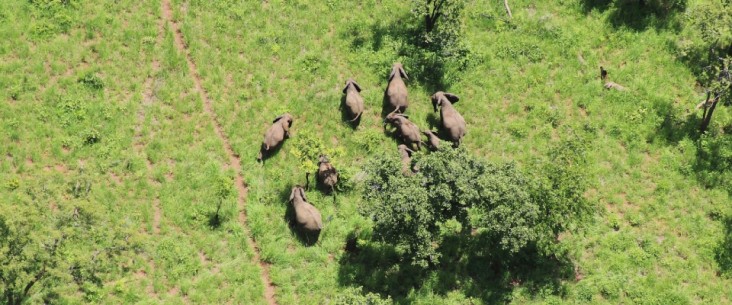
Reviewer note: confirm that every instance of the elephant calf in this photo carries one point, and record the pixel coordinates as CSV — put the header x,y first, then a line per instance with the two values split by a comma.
x,y
451,119
407,130
396,91
276,134
432,139
608,84
327,174
354,101
405,154
306,215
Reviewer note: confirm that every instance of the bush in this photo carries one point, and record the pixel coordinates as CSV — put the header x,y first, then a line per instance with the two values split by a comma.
x,y
438,53
354,296
514,210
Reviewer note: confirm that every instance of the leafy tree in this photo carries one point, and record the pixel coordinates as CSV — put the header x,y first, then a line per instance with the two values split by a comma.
x,y
355,296
433,10
707,47
437,48
718,90
453,193
40,250
562,180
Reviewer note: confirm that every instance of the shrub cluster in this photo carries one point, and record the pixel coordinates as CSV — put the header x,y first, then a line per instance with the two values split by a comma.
x,y
456,194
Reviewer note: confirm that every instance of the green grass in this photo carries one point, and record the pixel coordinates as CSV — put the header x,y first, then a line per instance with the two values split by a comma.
x,y
71,103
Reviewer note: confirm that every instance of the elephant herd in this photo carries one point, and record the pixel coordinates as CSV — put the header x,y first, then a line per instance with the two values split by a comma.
x,y
396,100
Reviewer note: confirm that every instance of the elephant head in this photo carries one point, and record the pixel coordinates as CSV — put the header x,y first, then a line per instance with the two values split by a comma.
x,y
440,97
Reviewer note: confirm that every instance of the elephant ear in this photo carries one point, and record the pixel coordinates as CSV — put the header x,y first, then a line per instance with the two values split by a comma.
x,y
292,194
302,194
278,118
393,72
452,98
403,73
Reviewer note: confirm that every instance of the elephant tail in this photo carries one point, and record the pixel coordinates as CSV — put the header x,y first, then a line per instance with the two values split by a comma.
x,y
357,116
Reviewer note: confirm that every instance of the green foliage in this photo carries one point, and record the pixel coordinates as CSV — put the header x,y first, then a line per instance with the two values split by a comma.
x,y
560,191
708,30
92,81
91,136
440,52
12,183
307,147
454,191
52,17
37,248
355,296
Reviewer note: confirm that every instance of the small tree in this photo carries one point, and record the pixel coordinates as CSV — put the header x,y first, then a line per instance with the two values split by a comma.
x,y
41,250
436,52
719,90
444,35
454,192
707,47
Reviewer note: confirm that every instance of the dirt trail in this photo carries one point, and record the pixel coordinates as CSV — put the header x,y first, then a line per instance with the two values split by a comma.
x,y
234,160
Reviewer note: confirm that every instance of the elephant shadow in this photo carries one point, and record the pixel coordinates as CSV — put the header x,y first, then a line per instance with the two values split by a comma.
x,y
386,106
305,237
266,154
346,116
433,120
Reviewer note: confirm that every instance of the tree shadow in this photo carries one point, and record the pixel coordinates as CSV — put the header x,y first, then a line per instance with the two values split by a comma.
x,y
673,129
466,265
724,249
638,15
424,62
305,237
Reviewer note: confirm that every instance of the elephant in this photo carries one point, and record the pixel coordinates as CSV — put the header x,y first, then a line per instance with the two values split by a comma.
x,y
396,91
276,134
407,130
432,140
452,121
306,215
405,154
327,174
354,101
608,84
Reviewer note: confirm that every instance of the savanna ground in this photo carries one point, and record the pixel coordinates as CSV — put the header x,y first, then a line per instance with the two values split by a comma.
x,y
100,114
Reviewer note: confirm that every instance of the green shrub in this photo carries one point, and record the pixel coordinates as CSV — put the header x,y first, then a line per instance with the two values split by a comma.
x,y
355,296
91,81
12,183
514,210
91,136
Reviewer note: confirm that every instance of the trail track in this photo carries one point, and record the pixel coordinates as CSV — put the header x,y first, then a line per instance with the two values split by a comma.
x,y
234,160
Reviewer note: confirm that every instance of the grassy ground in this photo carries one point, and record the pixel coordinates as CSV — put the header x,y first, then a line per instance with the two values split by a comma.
x,y
90,104
142,141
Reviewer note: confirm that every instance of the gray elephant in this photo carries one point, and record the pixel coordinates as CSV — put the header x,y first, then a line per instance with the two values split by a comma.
x,y
327,174
407,130
354,101
396,91
609,84
405,155
276,134
432,140
451,120
306,215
